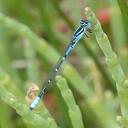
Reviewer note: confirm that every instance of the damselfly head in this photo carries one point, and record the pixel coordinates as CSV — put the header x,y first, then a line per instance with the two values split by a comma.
x,y
85,23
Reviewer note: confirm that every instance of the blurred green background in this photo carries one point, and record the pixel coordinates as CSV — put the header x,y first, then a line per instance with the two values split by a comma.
x,y
28,60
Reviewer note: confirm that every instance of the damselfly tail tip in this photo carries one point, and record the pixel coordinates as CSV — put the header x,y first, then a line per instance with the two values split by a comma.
x,y
30,108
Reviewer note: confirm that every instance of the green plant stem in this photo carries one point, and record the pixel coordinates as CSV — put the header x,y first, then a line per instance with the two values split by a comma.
x,y
32,70
98,106
21,10
5,61
112,61
22,109
31,118
88,49
4,116
73,109
47,21
119,40
9,86
123,4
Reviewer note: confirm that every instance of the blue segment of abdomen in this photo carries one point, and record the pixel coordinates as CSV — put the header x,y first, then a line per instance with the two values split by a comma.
x,y
35,102
68,50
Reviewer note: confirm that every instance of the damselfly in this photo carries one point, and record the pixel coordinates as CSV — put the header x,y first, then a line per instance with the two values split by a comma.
x,y
84,28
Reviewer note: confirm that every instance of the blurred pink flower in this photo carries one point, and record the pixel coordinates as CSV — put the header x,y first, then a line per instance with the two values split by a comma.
x,y
103,15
